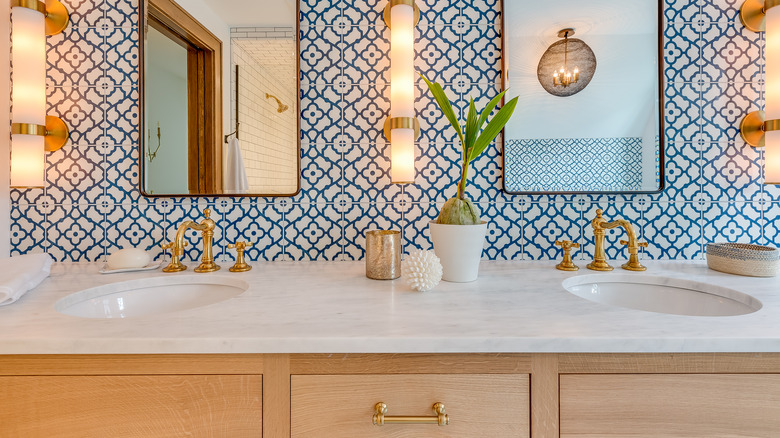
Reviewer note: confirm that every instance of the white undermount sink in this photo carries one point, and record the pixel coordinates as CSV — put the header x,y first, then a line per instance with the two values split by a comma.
x,y
662,294
150,296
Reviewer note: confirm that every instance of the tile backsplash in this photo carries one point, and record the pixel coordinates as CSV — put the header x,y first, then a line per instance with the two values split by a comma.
x,y
91,206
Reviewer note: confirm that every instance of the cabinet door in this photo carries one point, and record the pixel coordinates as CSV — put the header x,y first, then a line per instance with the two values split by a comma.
x,y
131,406
477,405
670,405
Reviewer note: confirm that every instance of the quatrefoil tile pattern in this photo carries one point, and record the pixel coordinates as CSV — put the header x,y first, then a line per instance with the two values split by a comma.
x,y
91,205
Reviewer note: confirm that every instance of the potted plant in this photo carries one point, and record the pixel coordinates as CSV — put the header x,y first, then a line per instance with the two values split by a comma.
x,y
458,234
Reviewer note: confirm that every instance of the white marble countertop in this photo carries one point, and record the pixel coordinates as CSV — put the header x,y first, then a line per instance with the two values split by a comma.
x,y
331,307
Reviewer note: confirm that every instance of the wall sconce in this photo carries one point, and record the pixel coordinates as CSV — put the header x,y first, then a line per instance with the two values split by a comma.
x,y
762,128
32,131
402,127
554,71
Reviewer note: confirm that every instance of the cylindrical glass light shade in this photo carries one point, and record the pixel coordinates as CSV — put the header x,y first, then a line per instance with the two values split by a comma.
x,y
28,57
772,96
402,91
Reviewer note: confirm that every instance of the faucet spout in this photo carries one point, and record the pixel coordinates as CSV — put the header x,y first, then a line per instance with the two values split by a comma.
x,y
206,227
600,225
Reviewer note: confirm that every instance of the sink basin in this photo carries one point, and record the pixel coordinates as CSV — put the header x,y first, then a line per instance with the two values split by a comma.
x,y
662,294
150,296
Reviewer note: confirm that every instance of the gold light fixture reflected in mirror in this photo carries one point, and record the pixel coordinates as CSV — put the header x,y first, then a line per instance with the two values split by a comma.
x,y
567,66
564,77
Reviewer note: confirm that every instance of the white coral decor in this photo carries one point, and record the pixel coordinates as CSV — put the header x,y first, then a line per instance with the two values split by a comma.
x,y
422,270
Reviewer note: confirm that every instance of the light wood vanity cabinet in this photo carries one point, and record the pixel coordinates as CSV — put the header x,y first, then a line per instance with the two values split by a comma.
x,y
334,395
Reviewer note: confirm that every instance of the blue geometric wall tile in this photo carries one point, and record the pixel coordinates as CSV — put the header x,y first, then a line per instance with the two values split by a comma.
x,y
74,57
121,55
730,53
682,52
672,231
545,223
364,12
681,10
724,11
320,55
434,127
320,114
26,196
682,112
122,174
771,225
436,50
365,111
184,209
731,172
253,222
75,233
83,13
416,220
28,229
81,108
482,11
732,222
322,12
438,168
321,169
504,237
481,54
682,172
724,105
74,174
438,11
485,174
366,54
134,226
367,173
313,232
121,109
121,12
612,247
363,217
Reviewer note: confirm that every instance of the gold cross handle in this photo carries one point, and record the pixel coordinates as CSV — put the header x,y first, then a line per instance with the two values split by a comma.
x,y
567,264
240,265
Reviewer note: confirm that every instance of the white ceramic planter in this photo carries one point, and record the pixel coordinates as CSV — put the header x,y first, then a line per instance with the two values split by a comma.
x,y
459,247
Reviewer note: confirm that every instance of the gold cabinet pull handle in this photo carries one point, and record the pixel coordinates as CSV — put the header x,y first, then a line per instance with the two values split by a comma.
x,y
441,418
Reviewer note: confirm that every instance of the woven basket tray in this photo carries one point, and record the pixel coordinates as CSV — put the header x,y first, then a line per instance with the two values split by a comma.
x,y
743,259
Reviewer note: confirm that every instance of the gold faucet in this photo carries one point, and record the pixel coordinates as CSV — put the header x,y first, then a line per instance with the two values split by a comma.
x,y
600,258
206,226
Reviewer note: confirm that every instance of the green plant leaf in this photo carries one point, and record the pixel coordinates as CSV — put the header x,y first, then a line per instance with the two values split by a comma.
x,y
471,129
490,107
493,128
444,104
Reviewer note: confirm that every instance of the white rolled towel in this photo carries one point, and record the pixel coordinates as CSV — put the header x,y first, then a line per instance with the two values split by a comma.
x,y
21,274
234,179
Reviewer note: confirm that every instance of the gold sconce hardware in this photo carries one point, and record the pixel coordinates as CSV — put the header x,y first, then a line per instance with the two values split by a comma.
x,y
206,227
633,259
55,13
240,265
567,264
600,225
176,252
281,107
753,128
752,13
441,418
401,122
55,132
149,154
391,3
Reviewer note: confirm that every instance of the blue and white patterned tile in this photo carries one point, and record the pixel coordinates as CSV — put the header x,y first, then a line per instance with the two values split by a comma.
x,y
677,11
254,222
367,173
682,52
122,173
74,58
28,230
365,111
122,115
733,222
122,56
682,112
120,13
26,196
364,12
682,173
134,226
438,167
81,108
313,232
481,11
731,172
438,11
544,223
672,231
321,114
723,11
320,55
504,237
322,12
363,217
75,233
770,225
84,13
485,176
366,54
416,219
480,60
612,247
437,53
321,173
730,53
74,174
724,105
434,127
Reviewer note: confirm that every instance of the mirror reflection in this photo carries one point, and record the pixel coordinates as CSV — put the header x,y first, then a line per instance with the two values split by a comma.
x,y
573,135
220,98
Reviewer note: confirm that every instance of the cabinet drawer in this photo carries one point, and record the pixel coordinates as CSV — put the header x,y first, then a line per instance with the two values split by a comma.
x,y
670,405
489,405
131,406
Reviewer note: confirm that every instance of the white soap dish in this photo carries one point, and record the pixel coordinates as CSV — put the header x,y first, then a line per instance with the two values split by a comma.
x,y
743,259
104,269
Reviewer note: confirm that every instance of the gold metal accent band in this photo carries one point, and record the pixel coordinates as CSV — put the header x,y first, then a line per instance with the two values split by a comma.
x,y
401,122
57,17
392,3
752,13
35,5
772,125
28,129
